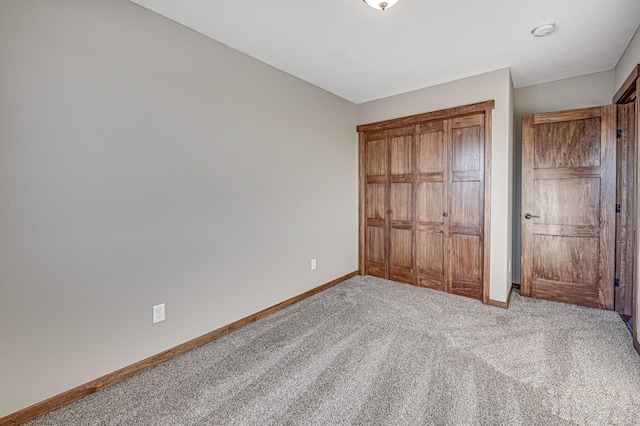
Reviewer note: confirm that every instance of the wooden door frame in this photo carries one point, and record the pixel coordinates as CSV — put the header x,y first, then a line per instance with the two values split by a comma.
x,y
625,214
629,89
461,111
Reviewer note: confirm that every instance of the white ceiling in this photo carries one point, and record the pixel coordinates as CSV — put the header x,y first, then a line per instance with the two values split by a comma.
x,y
362,54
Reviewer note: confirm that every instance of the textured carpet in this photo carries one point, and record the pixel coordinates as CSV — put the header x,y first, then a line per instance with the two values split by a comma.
x,y
374,352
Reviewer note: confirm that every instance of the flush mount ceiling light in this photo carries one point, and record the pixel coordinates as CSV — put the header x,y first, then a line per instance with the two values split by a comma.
x,y
543,30
380,4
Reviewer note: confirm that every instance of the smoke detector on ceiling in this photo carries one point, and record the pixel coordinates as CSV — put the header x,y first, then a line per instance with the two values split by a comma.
x,y
543,29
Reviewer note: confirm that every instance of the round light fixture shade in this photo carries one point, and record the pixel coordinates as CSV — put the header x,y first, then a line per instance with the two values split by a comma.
x,y
380,4
543,30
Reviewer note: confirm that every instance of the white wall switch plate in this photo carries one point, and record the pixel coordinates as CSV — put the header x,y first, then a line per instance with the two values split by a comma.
x,y
313,264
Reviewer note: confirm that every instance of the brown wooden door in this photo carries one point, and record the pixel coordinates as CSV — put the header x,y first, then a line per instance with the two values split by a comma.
x,y
466,206
625,199
433,222
451,205
376,166
568,206
401,205
389,204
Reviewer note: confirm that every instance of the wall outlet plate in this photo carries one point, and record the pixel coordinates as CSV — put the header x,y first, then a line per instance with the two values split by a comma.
x,y
313,264
158,313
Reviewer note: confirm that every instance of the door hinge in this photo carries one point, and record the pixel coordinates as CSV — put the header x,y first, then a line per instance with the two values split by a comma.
x,y
618,208
619,134
617,282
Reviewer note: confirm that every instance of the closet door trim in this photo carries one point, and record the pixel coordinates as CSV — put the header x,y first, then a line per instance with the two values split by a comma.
x,y
442,114
362,182
487,208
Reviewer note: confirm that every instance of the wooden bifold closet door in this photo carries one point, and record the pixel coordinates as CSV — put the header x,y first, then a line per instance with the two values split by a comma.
x,y
389,204
423,200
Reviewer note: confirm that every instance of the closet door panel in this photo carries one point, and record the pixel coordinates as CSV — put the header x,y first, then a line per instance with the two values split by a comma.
x,y
431,238
402,152
432,201
401,205
466,203
401,208
432,148
376,251
432,259
401,233
466,206
401,258
432,205
466,265
467,142
376,153
376,203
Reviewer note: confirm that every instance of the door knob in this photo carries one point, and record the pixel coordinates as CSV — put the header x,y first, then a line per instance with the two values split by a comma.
x,y
529,216
445,214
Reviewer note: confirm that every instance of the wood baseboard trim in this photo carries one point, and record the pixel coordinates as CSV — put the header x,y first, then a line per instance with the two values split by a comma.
x,y
498,304
81,391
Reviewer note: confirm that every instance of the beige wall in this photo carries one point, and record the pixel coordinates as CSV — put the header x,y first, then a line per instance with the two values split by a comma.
x,y
142,163
630,59
571,93
494,85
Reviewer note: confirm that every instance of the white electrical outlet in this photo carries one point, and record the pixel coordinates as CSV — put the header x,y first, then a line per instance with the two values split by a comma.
x,y
158,313
313,264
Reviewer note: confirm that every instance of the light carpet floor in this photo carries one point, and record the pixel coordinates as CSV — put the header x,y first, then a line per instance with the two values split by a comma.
x,y
374,352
